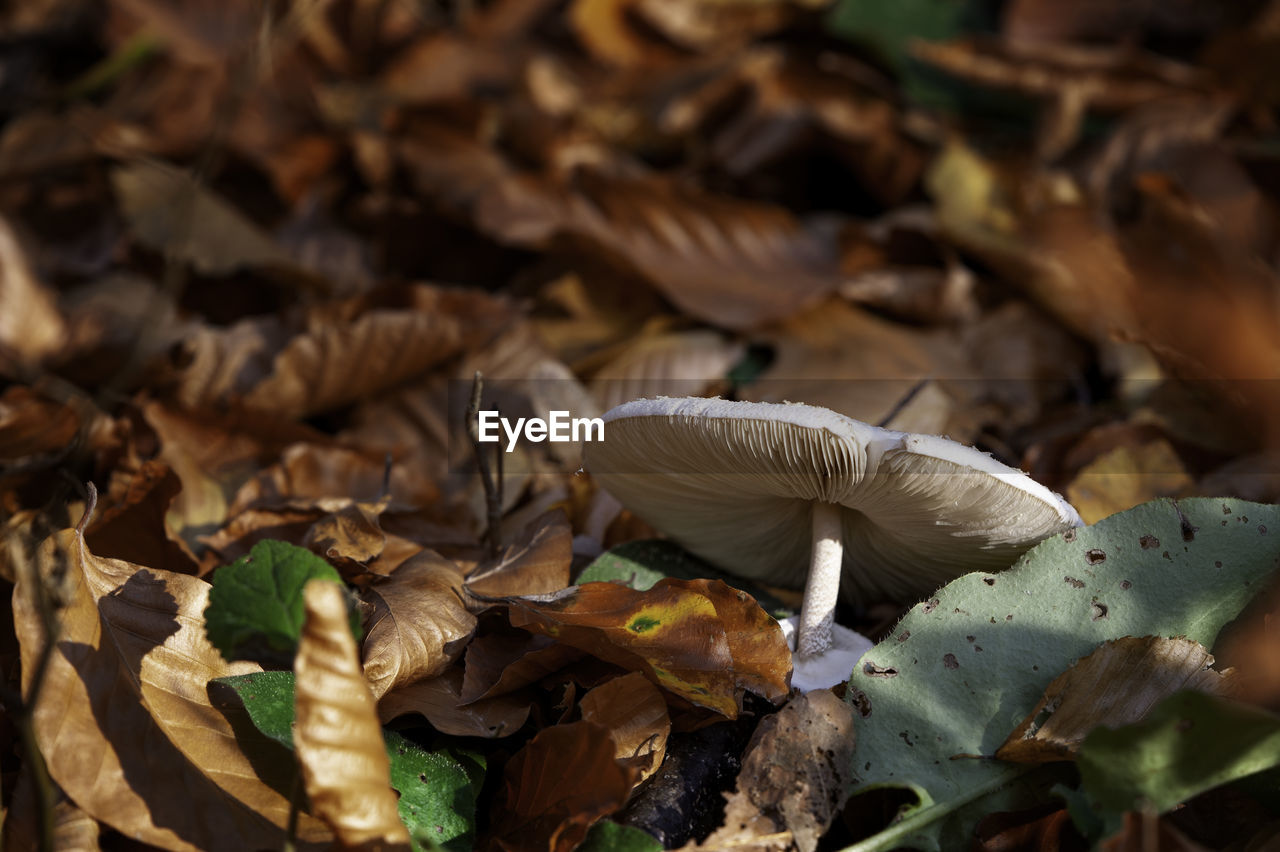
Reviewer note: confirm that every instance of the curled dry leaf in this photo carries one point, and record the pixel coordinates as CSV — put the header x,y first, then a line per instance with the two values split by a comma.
x,y
336,736
35,430
498,664
555,787
1114,686
123,717
699,639
439,699
536,563
419,623
794,778
350,533
635,713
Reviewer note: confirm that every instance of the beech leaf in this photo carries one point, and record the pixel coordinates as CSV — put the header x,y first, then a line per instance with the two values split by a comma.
x,y
1115,685
256,610
339,743
699,639
123,718
419,623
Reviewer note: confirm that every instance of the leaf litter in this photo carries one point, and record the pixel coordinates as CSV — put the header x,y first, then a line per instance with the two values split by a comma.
x,y
250,261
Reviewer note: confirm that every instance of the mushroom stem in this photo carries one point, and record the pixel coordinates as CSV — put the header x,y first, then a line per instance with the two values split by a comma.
x,y
822,588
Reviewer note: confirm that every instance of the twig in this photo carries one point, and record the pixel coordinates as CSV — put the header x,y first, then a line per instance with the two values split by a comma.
x,y
492,485
903,402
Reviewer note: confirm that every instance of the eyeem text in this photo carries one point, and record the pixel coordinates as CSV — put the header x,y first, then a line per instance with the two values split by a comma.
x,y
558,427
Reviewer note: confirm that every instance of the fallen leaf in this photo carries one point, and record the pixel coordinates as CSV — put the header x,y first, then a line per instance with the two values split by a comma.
x,y
634,712
336,734
172,213
350,534
794,777
1126,477
31,328
555,787
1115,685
123,718
439,699
699,639
498,664
682,363
419,624
816,362
367,347
255,607
133,528
537,562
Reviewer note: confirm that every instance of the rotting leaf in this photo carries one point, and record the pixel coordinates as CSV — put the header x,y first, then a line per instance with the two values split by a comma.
x,y
793,779
124,718
699,639
419,623
565,779
1115,685
256,609
337,738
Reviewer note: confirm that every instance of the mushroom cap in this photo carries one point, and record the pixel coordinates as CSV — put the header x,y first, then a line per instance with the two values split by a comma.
x,y
735,483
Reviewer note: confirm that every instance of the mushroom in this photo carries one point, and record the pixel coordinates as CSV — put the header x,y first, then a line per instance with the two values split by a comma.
x,y
786,493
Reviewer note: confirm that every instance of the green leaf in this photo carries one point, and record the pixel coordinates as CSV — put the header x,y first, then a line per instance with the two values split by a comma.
x,y
608,836
437,788
963,668
1189,743
255,606
642,563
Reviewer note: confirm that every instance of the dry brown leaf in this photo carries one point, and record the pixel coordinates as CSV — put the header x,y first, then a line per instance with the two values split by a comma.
x,y
1126,476
554,788
768,104
498,664
536,563
635,714
444,67
698,639
439,699
350,534
35,430
843,358
31,328
336,735
73,829
173,214
366,347
606,31
133,528
419,623
681,363
794,778
1114,686
123,717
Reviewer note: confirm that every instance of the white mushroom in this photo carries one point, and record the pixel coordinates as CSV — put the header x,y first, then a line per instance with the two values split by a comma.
x,y
763,490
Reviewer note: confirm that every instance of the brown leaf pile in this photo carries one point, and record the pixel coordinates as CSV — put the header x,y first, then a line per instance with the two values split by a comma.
x,y
253,255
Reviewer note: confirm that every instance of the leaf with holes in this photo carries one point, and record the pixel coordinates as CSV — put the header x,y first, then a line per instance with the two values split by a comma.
x,y
961,670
